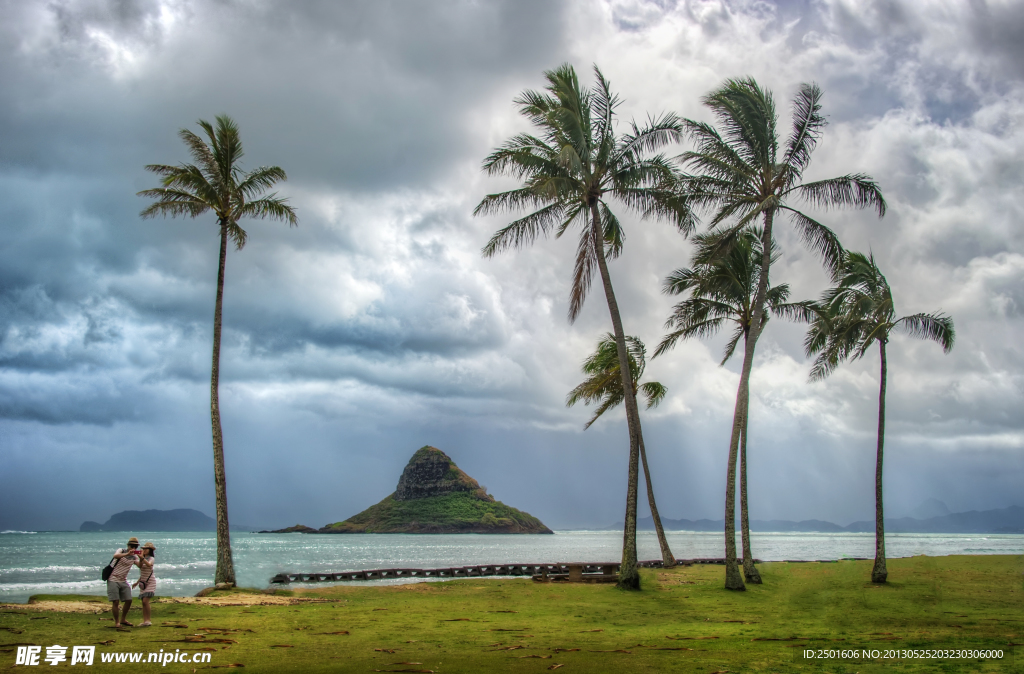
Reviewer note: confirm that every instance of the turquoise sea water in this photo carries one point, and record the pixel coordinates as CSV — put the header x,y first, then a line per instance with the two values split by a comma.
x,y
70,562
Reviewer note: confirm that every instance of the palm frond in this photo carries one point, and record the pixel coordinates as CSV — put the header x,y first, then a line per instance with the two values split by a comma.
x,y
936,327
656,134
260,180
524,197
604,381
524,231
807,125
819,239
605,406
173,203
699,329
227,147
614,236
654,392
776,297
237,235
583,271
804,311
747,114
521,161
201,153
730,348
856,190
270,206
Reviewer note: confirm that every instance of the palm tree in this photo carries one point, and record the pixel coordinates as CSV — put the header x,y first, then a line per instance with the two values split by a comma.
x,y
850,317
215,182
567,173
740,175
604,385
721,286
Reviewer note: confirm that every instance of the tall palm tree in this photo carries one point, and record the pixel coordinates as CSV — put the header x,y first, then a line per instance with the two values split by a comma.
x,y
568,172
721,286
215,182
604,384
741,175
850,318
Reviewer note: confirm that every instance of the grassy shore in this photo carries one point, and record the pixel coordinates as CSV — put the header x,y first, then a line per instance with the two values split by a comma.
x,y
682,621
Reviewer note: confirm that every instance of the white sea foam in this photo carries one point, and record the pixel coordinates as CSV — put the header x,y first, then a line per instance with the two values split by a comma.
x,y
13,531
47,569
51,587
210,564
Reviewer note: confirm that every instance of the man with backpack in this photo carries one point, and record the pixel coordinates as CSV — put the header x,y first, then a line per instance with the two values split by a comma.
x,y
118,589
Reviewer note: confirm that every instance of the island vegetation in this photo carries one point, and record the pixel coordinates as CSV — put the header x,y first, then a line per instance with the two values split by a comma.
x,y
459,512
434,496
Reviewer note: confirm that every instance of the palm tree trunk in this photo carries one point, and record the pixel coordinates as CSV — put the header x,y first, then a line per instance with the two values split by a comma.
x,y
225,566
629,575
733,581
879,572
667,559
750,573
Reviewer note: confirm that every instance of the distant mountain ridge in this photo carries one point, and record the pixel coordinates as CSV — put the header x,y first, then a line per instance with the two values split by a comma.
x,y
1001,521
180,519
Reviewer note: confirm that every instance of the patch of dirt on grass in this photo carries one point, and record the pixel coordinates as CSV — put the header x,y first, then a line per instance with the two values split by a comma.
x,y
104,607
242,600
61,607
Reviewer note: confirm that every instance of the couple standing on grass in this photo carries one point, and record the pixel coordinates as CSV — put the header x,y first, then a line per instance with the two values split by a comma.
x,y
118,589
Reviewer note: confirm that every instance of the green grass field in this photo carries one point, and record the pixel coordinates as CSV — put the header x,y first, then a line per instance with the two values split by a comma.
x,y
682,621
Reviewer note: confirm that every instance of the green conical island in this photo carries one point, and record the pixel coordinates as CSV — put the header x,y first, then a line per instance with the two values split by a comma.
x,y
434,496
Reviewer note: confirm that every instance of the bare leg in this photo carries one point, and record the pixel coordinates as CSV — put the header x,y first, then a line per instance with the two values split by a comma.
x,y
145,611
124,611
113,609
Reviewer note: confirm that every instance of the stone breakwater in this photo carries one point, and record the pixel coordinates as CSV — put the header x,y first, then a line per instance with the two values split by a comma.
x,y
554,571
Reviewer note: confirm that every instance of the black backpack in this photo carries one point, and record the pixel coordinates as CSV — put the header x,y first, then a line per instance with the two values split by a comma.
x,y
108,569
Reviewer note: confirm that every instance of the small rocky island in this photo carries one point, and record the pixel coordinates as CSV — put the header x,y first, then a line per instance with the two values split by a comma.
x,y
434,496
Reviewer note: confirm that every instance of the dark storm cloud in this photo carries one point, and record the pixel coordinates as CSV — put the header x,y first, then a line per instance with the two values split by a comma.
x,y
351,95
359,94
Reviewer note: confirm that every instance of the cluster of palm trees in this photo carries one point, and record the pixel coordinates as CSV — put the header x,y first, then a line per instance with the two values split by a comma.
x,y
740,177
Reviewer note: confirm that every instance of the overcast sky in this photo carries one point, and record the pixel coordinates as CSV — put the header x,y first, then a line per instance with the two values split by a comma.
x,y
376,327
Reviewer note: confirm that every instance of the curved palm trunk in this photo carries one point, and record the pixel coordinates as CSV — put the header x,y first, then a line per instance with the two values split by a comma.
x,y
225,566
750,573
879,572
667,559
733,581
629,575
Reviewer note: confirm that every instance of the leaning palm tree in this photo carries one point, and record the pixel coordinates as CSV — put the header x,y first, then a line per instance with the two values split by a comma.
x,y
604,385
721,285
741,175
215,182
568,172
848,320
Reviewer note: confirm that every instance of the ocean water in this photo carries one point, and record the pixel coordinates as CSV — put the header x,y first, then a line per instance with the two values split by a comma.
x,y
70,562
